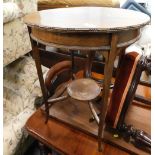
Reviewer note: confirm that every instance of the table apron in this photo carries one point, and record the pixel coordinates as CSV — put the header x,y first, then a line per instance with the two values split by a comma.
x,y
84,41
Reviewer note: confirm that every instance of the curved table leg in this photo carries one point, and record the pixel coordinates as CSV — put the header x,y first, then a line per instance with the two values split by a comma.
x,y
110,57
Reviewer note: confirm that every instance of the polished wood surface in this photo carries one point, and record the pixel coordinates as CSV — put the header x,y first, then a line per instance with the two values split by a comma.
x,y
84,89
71,141
48,28
100,19
65,139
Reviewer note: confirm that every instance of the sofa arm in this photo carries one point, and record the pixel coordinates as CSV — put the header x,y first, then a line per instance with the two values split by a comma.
x,y
11,11
26,6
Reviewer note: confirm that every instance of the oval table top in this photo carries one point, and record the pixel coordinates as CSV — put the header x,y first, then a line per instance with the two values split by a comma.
x,y
83,19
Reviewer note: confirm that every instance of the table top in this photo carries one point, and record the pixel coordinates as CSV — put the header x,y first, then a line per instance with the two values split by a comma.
x,y
83,19
64,138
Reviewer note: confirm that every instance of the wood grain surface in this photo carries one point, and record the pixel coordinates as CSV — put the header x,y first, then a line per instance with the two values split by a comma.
x,y
71,141
100,19
65,139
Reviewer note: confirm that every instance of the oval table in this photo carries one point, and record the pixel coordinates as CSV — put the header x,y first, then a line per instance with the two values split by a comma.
x,y
106,30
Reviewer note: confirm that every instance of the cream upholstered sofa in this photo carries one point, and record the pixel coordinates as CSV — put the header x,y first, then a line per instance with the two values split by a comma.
x,y
20,89
20,82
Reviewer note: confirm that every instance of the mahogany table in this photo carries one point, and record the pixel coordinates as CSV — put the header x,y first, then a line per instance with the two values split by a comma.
x,y
68,142
106,30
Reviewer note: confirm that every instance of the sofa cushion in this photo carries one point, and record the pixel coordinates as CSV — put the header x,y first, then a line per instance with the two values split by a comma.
x,y
13,131
16,40
73,3
21,87
11,11
26,6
